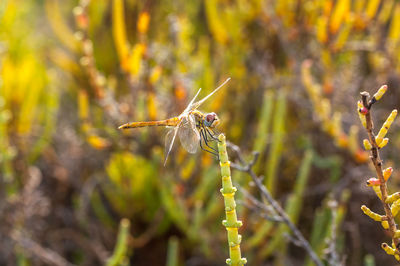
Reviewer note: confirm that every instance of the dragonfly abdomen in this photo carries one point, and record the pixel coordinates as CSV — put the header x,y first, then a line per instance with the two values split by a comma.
x,y
167,122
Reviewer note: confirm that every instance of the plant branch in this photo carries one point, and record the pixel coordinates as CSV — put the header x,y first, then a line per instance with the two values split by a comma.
x,y
377,162
258,205
247,168
35,249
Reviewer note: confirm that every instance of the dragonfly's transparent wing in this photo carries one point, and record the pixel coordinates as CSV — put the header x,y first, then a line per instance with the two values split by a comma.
x,y
197,104
188,134
169,141
189,107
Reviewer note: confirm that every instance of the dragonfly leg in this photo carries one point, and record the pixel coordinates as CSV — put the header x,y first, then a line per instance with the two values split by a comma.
x,y
212,134
203,138
214,149
206,140
213,153
207,133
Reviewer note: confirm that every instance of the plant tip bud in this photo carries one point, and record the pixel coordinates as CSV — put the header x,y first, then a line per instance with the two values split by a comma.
x,y
363,110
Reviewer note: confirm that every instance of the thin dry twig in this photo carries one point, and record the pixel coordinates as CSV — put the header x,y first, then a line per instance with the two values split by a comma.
x,y
44,254
247,168
333,257
146,236
267,211
85,243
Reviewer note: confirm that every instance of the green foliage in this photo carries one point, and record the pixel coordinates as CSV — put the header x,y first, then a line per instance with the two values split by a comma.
x,y
369,260
131,191
278,129
292,208
72,71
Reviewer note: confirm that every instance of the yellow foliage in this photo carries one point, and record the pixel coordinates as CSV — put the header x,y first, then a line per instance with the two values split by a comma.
x,y
187,168
374,216
60,27
378,95
143,22
383,143
387,173
132,181
64,61
321,29
367,144
339,14
378,191
386,11
363,120
343,35
83,105
119,32
215,20
395,208
394,29
23,82
390,251
372,7
135,58
385,127
97,142
151,106
155,74
359,6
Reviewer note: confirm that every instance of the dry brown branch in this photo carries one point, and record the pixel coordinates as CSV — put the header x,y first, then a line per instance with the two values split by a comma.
x,y
247,168
35,249
377,162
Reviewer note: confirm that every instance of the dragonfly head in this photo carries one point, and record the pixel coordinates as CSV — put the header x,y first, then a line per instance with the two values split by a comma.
x,y
211,120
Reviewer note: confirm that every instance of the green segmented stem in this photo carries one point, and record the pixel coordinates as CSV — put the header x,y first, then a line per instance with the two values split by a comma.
x,y
119,256
228,191
173,251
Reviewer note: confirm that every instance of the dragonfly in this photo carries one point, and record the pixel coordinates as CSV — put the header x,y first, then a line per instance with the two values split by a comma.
x,y
193,127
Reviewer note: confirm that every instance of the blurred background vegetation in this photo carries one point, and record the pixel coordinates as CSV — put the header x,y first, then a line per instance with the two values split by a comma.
x,y
75,190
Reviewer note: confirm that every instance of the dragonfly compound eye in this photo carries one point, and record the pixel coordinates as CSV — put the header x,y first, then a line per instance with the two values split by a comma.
x,y
211,120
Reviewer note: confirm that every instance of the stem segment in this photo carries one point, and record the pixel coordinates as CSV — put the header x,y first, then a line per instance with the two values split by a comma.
x,y
228,192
